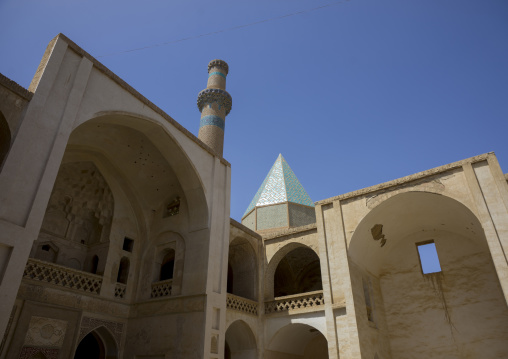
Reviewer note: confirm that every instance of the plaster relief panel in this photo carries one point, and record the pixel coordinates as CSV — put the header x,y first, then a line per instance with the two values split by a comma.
x,y
81,205
46,332
214,345
88,324
30,352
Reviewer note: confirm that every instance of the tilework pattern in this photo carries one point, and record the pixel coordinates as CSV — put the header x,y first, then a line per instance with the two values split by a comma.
x,y
280,185
250,221
213,121
217,73
295,191
275,189
273,216
301,215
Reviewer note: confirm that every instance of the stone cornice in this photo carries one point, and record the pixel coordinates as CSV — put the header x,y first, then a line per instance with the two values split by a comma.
x,y
289,231
244,228
14,87
406,179
223,98
218,63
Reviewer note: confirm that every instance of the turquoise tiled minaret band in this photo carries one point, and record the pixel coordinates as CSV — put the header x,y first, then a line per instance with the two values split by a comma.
x,y
217,73
212,120
214,103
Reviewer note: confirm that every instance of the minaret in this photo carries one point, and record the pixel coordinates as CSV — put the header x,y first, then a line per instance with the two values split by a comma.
x,y
214,103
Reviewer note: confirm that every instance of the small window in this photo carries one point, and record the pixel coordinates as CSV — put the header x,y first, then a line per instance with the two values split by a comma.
x,y
95,264
429,261
167,266
46,247
367,292
128,244
123,271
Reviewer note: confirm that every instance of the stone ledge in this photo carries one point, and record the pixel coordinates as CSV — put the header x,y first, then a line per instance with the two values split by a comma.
x,y
406,179
288,231
14,87
136,94
244,228
169,305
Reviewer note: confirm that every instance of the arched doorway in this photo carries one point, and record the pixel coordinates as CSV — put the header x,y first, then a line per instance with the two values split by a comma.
x,y
431,310
240,342
98,344
297,341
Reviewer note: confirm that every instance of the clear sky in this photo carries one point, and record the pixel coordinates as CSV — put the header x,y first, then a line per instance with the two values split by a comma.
x,y
353,94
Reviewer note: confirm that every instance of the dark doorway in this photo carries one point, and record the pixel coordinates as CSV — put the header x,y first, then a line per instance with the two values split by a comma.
x,y
91,347
227,351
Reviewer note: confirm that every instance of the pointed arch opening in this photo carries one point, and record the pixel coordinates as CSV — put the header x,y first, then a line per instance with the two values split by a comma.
x,y
299,271
384,251
240,342
157,167
242,269
98,344
297,340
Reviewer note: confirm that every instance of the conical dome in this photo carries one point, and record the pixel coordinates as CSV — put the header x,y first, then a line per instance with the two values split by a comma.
x,y
280,202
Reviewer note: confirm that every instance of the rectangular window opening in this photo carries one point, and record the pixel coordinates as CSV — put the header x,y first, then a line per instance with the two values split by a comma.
x,y
128,244
429,260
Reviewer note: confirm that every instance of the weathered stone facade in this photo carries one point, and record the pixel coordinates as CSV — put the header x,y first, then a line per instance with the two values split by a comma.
x,y
116,241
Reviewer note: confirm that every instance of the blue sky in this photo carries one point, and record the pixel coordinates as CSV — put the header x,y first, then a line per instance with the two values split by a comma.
x,y
354,94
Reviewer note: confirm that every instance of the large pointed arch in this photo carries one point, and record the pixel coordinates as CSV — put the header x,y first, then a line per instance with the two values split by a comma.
x,y
298,340
430,310
276,260
240,341
171,150
242,269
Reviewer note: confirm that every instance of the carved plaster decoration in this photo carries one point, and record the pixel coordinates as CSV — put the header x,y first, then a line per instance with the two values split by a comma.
x,y
88,324
31,353
214,345
173,208
81,205
46,332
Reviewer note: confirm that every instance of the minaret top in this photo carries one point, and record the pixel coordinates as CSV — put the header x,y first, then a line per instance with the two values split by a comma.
x,y
220,64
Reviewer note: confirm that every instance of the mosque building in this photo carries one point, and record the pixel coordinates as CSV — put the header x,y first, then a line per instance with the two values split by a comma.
x,y
116,239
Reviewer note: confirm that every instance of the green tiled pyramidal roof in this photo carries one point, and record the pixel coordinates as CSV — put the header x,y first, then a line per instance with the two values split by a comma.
x,y
279,186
